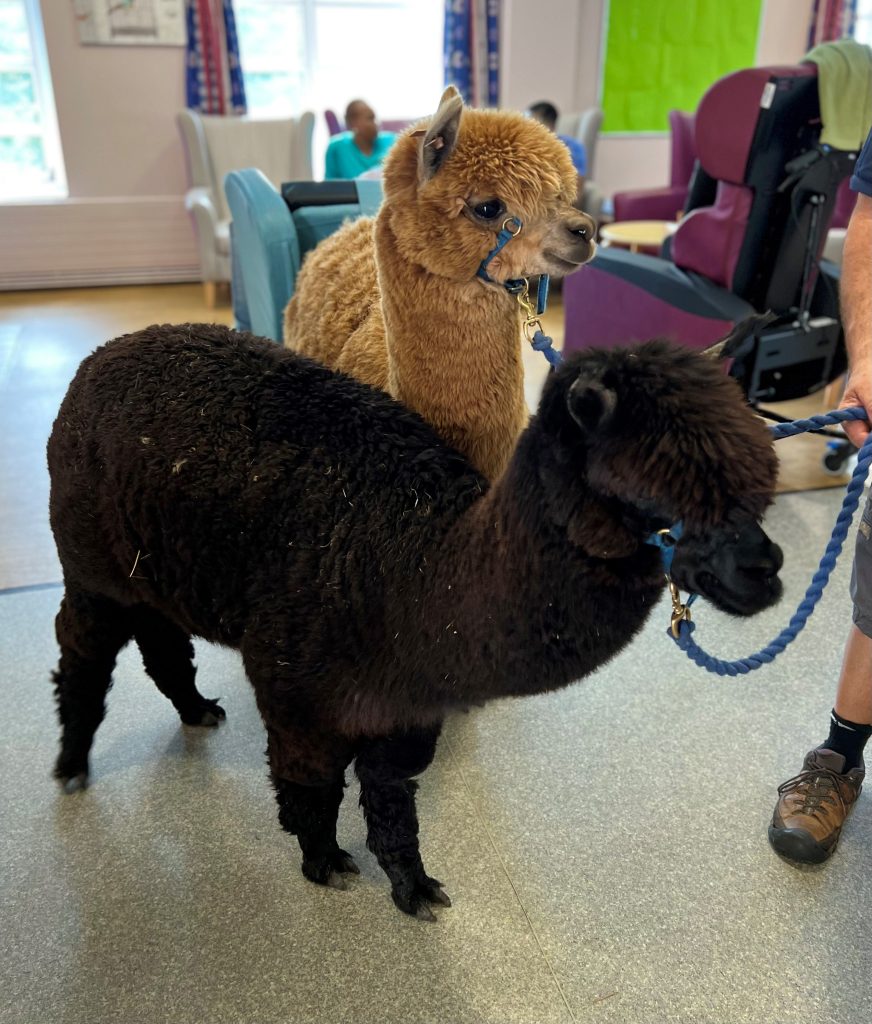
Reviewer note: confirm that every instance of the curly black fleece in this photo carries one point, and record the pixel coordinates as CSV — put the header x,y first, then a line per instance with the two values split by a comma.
x,y
206,482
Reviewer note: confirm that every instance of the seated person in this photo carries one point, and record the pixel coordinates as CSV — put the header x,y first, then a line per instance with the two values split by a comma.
x,y
546,113
359,149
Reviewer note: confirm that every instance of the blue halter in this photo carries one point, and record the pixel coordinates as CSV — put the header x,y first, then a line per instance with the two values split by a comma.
x,y
505,235
666,540
514,286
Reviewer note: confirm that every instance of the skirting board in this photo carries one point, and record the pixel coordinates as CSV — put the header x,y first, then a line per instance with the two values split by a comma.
x,y
80,242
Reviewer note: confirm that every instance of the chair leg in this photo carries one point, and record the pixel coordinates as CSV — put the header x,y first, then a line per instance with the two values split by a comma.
x,y
210,293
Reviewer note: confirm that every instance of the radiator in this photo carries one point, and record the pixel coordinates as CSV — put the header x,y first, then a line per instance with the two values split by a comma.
x,y
79,242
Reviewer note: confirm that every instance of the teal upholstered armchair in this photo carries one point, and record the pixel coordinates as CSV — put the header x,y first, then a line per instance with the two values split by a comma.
x,y
271,231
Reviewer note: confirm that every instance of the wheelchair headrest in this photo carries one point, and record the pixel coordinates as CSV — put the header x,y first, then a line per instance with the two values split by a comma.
x,y
728,115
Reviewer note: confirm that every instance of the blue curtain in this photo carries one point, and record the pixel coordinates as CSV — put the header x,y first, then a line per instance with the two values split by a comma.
x,y
213,75
234,66
472,50
458,47
492,19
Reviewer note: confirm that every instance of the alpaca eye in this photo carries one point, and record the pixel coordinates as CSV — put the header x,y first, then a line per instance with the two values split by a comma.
x,y
490,209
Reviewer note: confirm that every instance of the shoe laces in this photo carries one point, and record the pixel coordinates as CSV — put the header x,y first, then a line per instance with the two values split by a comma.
x,y
816,786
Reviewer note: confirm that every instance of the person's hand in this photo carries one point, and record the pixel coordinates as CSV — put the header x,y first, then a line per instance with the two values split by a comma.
x,y
858,392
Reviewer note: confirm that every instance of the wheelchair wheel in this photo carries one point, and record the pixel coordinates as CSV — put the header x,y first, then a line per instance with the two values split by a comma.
x,y
837,457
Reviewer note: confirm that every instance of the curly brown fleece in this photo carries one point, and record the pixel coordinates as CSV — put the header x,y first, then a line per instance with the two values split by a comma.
x,y
395,301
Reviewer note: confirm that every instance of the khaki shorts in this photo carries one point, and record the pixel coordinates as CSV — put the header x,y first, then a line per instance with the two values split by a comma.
x,y
861,575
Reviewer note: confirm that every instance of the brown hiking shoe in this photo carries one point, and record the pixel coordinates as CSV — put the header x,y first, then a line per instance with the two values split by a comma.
x,y
813,806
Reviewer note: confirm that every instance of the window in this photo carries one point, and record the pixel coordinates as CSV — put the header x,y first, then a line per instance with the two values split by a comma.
x,y
863,22
315,54
30,157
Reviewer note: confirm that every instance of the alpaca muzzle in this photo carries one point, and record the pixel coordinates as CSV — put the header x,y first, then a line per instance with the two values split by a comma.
x,y
735,568
572,244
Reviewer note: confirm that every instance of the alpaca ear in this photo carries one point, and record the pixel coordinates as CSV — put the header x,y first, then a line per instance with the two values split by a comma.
x,y
735,341
441,136
450,92
590,403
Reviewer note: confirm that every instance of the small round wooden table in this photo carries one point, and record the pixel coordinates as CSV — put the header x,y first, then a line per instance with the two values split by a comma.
x,y
637,234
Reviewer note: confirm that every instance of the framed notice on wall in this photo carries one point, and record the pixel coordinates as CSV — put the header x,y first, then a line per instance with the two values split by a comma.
x,y
661,55
131,22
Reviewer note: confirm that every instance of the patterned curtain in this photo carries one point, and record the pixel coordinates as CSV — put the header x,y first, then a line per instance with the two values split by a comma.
x,y
831,20
213,75
472,50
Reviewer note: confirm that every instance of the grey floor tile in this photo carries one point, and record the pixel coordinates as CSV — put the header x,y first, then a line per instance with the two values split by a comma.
x,y
630,812
167,891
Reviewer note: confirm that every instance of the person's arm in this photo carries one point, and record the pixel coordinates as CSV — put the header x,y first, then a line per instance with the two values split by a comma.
x,y
856,302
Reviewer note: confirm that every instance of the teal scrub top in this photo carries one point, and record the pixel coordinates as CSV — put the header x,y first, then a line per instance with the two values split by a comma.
x,y
345,160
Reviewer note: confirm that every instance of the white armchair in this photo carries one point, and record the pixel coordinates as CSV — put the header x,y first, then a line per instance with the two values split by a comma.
x,y
280,148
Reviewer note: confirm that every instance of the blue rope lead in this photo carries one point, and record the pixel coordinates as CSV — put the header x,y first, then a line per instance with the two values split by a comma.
x,y
820,579
542,343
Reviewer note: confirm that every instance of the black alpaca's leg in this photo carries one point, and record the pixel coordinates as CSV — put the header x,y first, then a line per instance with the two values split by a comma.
x,y
385,768
168,656
90,632
309,779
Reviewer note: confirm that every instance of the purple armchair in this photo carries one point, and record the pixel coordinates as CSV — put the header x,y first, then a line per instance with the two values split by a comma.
x,y
664,203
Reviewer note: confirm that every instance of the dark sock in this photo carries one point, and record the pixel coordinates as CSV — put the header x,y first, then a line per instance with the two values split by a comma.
x,y
848,739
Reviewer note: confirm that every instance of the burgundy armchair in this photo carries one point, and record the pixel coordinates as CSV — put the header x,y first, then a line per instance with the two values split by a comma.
x,y
664,203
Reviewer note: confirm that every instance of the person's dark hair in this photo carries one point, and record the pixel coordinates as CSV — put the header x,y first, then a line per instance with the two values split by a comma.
x,y
349,110
545,112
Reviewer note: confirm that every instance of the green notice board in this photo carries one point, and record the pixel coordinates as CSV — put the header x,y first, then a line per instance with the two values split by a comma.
x,y
664,54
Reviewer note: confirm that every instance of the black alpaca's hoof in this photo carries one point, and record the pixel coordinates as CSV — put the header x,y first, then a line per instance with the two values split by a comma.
x,y
72,783
329,870
415,899
209,713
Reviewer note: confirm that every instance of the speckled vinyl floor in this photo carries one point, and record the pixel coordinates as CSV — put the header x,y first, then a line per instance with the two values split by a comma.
x,y
605,849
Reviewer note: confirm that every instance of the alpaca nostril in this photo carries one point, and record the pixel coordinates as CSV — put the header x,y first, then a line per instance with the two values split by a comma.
x,y
761,570
579,231
765,567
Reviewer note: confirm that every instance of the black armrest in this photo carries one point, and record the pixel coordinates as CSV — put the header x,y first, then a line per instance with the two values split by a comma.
x,y
318,193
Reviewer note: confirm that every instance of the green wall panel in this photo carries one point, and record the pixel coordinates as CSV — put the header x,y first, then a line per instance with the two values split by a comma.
x,y
664,54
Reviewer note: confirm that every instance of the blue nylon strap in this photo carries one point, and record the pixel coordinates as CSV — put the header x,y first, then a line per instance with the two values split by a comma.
x,y
542,294
666,542
504,236
742,666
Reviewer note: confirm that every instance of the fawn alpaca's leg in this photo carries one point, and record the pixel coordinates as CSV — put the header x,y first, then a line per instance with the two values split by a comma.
x,y
308,774
90,631
385,767
168,654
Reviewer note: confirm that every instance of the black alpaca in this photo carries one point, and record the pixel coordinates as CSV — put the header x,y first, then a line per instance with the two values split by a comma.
x,y
207,482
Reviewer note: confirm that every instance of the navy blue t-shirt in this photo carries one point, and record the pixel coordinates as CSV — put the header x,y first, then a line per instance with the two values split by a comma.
x,y
861,179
